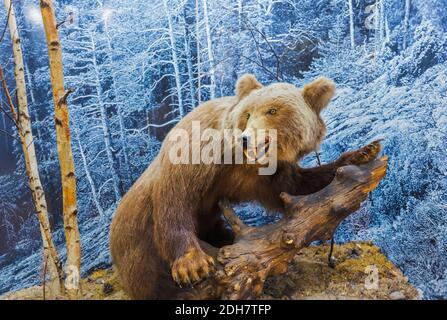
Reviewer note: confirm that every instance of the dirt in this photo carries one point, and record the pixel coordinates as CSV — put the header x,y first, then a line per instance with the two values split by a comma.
x,y
361,272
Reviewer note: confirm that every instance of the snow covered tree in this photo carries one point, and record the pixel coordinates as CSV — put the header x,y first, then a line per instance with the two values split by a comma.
x,y
22,120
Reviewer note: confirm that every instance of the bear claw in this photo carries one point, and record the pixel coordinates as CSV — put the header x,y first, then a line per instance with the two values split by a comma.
x,y
363,155
192,267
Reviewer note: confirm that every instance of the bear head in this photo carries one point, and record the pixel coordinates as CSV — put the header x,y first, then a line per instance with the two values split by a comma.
x,y
293,113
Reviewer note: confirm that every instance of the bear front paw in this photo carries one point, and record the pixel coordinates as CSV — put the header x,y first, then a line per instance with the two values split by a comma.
x,y
363,155
193,266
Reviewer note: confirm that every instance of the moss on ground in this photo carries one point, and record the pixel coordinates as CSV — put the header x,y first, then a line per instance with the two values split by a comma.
x,y
309,277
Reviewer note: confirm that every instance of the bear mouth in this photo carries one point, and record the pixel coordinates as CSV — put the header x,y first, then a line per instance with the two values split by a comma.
x,y
257,153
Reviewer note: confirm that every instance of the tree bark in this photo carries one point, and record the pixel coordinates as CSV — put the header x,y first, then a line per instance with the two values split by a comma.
x,y
88,175
175,64
351,24
406,22
209,45
199,71
259,252
119,105
63,140
186,39
23,122
105,126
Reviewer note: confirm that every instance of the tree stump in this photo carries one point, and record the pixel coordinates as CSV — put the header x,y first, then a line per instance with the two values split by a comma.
x,y
259,252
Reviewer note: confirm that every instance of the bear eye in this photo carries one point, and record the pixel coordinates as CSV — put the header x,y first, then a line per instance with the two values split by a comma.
x,y
272,111
248,116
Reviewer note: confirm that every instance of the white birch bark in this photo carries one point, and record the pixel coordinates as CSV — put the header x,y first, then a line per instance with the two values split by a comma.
x,y
105,126
119,105
175,64
377,39
189,65
239,14
88,175
51,258
34,114
210,51
382,23
65,154
351,24
406,22
3,119
387,31
199,71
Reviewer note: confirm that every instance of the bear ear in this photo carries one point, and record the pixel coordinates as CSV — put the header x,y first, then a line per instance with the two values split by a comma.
x,y
246,84
318,93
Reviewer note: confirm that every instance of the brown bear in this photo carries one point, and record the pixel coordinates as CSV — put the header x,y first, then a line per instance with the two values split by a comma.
x,y
158,226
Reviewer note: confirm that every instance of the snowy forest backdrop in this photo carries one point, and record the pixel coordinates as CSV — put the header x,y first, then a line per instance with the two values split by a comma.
x,y
138,66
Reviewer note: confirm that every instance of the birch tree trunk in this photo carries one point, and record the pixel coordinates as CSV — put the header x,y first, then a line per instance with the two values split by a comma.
x,y
351,24
377,20
186,37
23,119
406,22
63,140
4,122
119,104
199,80
35,114
382,24
105,126
88,175
178,83
210,51
387,30
30,85
239,14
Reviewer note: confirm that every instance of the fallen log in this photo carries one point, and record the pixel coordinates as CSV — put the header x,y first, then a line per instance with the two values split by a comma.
x,y
259,252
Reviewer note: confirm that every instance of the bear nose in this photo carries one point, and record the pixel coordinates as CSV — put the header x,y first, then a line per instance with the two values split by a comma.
x,y
245,141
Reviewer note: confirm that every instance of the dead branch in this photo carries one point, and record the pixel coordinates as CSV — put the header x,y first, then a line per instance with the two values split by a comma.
x,y
259,252
44,280
63,100
10,135
6,24
8,96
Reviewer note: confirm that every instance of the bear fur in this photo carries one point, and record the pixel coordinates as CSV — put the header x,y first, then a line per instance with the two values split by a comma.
x,y
159,224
